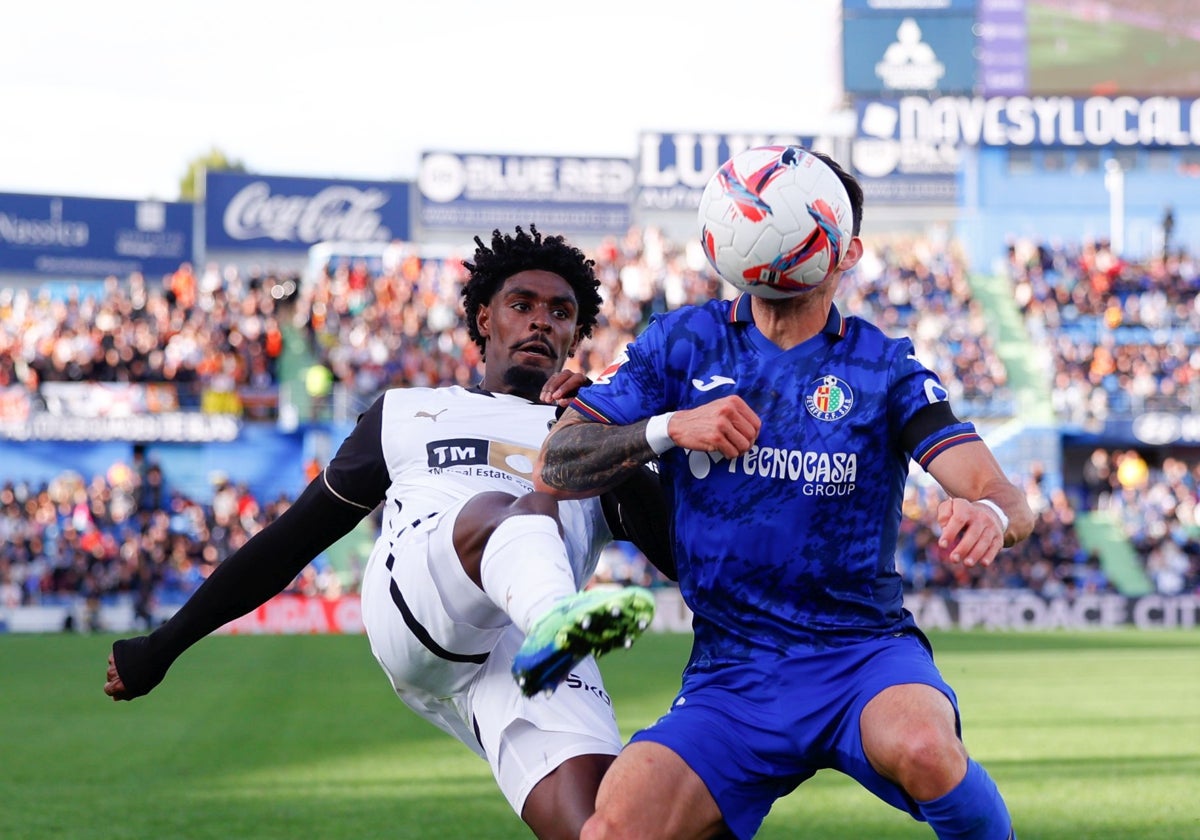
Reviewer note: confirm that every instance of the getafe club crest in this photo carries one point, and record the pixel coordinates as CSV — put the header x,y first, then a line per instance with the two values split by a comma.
x,y
829,399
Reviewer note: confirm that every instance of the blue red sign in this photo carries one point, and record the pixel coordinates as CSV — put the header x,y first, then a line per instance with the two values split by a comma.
x,y
478,191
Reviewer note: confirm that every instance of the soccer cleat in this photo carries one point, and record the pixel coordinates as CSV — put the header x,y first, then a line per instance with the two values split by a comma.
x,y
591,622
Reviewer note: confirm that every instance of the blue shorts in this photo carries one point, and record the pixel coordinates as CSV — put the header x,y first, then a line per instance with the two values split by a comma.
x,y
753,732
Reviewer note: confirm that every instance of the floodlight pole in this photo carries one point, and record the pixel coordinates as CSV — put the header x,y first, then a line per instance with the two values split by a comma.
x,y
1114,182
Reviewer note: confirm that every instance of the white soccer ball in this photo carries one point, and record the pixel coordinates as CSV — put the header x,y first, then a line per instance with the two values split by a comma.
x,y
775,221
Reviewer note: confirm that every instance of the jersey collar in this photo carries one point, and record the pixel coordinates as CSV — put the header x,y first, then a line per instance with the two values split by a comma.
x,y
741,313
497,395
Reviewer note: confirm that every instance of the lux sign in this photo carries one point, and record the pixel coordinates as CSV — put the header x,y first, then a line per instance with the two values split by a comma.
x,y
673,168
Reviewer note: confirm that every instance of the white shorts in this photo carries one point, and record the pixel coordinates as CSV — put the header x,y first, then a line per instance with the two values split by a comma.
x,y
448,652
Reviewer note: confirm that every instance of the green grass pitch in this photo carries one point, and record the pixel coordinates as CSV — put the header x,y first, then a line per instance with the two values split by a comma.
x,y
1090,735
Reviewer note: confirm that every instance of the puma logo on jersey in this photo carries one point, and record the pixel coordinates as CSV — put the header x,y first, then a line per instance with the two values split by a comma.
x,y
432,417
713,382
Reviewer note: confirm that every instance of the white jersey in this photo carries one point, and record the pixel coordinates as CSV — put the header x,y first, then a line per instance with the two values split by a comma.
x,y
446,647
440,446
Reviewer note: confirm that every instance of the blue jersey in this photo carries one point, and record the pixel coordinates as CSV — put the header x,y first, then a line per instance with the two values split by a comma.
x,y
789,547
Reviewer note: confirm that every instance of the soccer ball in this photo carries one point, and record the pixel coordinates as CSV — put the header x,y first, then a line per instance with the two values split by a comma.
x,y
775,221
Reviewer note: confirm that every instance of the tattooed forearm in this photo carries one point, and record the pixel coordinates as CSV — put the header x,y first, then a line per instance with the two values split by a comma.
x,y
583,457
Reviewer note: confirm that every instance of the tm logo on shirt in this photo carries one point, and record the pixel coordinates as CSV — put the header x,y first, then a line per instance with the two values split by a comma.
x,y
512,458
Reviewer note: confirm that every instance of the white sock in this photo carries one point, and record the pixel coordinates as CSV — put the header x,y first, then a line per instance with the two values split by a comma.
x,y
524,568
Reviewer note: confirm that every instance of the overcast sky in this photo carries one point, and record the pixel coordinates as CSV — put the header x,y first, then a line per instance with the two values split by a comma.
x,y
113,99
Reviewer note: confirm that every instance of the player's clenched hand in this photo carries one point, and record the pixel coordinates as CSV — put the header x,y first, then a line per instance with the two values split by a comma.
x,y
971,531
114,687
134,668
727,425
562,387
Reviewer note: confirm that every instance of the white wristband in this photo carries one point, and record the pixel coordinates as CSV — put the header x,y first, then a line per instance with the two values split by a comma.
x,y
1003,516
656,433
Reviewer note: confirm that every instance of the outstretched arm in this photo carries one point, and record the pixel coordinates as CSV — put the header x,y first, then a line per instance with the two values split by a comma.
x,y
248,578
581,458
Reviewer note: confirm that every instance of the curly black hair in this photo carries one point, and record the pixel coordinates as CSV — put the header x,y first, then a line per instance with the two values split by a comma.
x,y
511,255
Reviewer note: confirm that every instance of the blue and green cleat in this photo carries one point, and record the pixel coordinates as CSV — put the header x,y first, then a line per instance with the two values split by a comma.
x,y
591,622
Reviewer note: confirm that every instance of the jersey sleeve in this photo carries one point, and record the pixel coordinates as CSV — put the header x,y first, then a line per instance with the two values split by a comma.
x,y
245,580
358,474
633,386
920,407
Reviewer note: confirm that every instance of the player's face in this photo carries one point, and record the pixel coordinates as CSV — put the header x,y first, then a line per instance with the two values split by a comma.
x,y
530,329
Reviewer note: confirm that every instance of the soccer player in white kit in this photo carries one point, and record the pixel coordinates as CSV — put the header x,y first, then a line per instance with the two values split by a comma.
x,y
471,597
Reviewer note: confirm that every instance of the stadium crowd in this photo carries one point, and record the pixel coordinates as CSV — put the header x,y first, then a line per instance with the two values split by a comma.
x,y
1158,506
126,532
216,331
129,532
918,287
1124,335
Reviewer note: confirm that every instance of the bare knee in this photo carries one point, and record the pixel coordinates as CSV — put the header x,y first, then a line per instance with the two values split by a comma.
x,y
909,735
928,764
484,513
651,792
599,827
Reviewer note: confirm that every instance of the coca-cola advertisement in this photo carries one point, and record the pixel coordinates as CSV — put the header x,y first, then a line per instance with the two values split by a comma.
x,y
283,213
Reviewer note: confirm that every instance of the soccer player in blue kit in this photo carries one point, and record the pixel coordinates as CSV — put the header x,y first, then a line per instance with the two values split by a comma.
x,y
784,432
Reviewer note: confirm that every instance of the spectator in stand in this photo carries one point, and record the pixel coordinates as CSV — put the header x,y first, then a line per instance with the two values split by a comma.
x,y
1158,505
76,537
1122,334
918,287
132,332
1051,556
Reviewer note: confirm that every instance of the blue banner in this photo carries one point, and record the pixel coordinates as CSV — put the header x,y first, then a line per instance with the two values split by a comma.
x,y
479,192
282,213
674,167
894,171
1096,121
909,54
63,236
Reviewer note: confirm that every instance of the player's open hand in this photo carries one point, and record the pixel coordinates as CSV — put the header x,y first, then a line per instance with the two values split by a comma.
x,y
727,425
562,387
970,531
